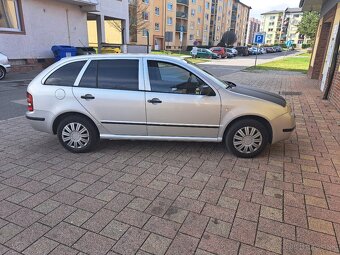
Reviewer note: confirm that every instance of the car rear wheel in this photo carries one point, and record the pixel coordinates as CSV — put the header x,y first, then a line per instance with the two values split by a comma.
x,y
77,134
246,138
2,73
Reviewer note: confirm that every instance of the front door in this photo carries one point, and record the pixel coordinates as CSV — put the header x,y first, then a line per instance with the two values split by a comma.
x,y
111,90
175,105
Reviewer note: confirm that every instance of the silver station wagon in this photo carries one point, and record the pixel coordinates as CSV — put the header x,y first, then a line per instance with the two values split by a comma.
x,y
148,97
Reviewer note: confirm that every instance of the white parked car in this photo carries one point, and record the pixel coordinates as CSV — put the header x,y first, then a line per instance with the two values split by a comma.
x,y
4,66
152,97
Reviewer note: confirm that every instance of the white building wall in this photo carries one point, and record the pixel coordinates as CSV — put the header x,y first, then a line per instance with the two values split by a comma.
x,y
46,24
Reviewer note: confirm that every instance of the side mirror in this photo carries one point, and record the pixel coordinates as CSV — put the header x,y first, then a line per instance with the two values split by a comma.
x,y
207,91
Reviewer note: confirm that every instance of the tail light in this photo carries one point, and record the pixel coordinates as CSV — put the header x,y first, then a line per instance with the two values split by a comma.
x,y
29,102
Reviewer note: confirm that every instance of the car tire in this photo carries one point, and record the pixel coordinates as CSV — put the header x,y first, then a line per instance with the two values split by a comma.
x,y
77,134
2,73
246,138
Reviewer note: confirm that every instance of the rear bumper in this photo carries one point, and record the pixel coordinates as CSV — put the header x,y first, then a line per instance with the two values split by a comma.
x,y
40,120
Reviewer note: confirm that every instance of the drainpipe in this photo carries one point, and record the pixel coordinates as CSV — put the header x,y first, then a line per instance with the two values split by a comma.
x,y
68,28
333,65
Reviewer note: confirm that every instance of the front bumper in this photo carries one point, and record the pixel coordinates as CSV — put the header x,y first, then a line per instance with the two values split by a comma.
x,y
283,126
7,67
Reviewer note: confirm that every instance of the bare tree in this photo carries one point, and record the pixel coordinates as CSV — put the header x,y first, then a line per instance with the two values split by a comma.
x,y
138,19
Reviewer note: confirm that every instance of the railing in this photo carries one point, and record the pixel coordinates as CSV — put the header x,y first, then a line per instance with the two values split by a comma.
x,y
182,15
185,2
178,28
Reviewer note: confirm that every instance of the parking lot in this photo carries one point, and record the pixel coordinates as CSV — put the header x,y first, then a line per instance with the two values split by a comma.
x,y
132,197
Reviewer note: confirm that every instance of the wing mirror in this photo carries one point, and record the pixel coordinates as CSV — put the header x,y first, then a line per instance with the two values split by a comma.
x,y
207,91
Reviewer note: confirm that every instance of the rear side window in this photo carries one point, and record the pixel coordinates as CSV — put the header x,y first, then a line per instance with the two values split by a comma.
x,y
65,75
89,79
121,74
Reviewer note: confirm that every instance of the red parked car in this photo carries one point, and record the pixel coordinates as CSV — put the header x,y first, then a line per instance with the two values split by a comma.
x,y
220,51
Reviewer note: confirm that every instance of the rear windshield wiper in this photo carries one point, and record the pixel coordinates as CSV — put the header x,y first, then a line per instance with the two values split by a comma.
x,y
229,84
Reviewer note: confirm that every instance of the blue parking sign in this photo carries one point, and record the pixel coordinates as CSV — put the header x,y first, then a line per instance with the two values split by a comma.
x,y
259,38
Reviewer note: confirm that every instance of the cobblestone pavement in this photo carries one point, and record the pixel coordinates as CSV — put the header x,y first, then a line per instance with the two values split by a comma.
x,y
176,198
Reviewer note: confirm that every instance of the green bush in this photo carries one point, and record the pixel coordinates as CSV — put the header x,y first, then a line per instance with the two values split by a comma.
x,y
306,45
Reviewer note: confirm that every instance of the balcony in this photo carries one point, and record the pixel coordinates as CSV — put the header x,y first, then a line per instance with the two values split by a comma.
x,y
182,15
86,5
178,28
183,2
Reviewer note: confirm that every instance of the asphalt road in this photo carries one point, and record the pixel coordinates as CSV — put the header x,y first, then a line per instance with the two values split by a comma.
x,y
13,87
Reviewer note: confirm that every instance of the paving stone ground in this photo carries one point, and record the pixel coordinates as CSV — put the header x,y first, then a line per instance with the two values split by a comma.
x,y
132,197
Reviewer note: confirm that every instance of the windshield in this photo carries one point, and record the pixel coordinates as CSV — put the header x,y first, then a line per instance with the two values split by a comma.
x,y
221,83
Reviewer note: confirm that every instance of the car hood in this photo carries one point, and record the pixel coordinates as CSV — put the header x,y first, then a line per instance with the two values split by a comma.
x,y
259,93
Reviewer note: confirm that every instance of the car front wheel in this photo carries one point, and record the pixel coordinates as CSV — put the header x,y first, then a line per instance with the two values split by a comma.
x,y
77,134
246,138
2,73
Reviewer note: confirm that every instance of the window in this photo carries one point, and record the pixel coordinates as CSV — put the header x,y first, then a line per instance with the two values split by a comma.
x,y
145,1
169,78
170,6
65,75
193,1
272,17
89,79
145,32
169,20
199,9
145,15
271,23
117,74
191,37
157,11
157,26
199,21
10,19
207,5
192,12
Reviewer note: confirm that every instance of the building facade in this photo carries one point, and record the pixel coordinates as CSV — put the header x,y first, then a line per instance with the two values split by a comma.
x,y
281,26
39,24
325,60
187,22
254,26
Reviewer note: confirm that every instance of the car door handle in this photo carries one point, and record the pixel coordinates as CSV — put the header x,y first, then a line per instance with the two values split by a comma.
x,y
88,96
154,101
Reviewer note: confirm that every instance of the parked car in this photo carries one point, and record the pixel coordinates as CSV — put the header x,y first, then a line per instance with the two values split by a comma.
x,y
220,51
242,50
205,53
4,66
255,51
233,51
263,50
152,97
277,48
230,55
270,50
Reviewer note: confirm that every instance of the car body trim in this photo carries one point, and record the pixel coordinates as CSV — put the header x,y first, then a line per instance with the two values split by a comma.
x,y
286,130
159,124
35,118
160,138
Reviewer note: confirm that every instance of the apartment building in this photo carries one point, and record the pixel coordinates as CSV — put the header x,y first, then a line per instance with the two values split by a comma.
x,y
281,26
272,25
229,15
254,26
29,28
189,22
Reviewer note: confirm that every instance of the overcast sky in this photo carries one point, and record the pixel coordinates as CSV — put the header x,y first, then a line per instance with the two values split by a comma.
x,y
261,6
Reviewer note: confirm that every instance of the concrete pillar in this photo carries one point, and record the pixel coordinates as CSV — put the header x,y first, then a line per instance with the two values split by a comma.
x,y
100,32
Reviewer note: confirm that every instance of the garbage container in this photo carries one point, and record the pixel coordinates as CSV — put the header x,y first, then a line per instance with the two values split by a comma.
x,y
86,51
110,50
62,51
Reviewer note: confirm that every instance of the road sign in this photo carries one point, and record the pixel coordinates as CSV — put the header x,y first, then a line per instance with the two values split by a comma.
x,y
289,43
259,38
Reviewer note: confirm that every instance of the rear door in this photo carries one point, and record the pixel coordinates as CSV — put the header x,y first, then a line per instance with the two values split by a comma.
x,y
112,91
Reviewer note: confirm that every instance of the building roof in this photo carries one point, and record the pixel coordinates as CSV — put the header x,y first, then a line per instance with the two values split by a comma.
x,y
309,5
249,7
293,10
272,12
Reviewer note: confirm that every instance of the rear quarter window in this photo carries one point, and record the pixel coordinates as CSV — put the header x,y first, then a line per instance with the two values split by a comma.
x,y
65,75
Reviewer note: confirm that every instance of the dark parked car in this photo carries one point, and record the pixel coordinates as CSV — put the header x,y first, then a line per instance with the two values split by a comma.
x,y
277,48
242,50
270,50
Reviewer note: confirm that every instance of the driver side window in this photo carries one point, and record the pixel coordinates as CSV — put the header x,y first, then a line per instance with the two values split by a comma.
x,y
169,78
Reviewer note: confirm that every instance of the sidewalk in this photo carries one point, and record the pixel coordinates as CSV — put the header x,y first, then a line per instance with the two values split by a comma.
x,y
132,197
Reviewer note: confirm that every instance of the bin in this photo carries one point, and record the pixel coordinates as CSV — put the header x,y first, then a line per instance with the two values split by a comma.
x,y
62,51
110,50
85,51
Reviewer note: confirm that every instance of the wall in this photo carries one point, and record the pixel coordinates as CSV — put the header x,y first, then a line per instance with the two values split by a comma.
x,y
334,93
45,25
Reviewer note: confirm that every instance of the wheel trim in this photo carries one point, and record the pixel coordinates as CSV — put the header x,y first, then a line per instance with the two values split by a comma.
x,y
247,140
2,73
75,135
